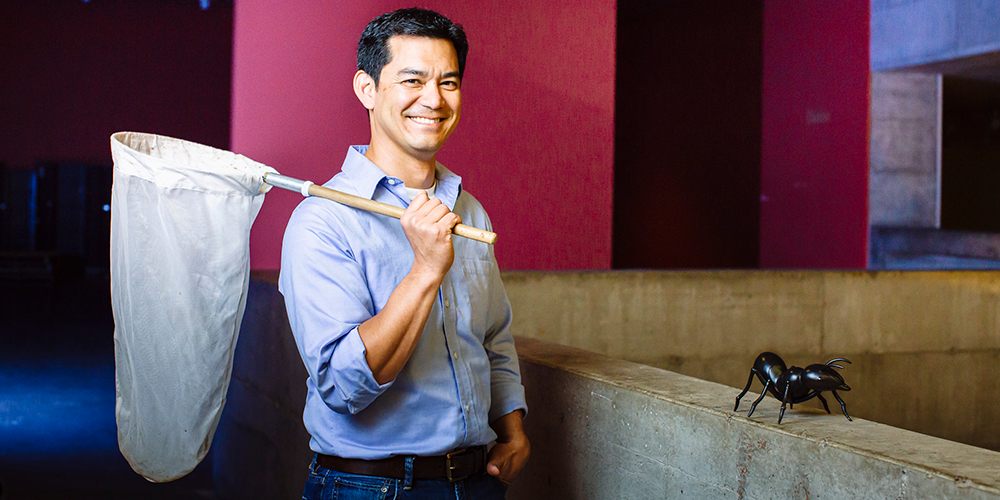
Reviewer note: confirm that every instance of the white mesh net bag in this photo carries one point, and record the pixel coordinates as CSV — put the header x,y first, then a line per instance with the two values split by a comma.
x,y
180,229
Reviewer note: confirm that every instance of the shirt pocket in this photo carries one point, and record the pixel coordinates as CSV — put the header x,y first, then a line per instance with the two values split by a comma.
x,y
477,276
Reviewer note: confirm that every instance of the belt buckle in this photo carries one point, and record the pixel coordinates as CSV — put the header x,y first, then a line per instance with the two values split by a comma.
x,y
449,467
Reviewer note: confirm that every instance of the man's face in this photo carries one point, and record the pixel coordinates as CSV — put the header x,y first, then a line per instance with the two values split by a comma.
x,y
419,97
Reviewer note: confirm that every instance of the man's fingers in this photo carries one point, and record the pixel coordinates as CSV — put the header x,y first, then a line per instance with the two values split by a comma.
x,y
433,211
451,219
437,213
421,204
428,208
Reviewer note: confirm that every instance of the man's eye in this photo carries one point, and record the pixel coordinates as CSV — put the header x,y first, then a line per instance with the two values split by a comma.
x,y
449,84
412,81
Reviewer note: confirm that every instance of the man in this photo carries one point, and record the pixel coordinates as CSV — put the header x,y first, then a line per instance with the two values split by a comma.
x,y
404,330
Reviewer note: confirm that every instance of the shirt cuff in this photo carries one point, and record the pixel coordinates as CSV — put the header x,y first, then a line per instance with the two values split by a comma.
x,y
507,398
356,376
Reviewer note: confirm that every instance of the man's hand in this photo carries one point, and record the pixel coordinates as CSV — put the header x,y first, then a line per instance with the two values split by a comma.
x,y
428,224
512,450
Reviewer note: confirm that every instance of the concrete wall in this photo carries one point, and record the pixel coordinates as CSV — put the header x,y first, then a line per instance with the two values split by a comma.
x,y
917,339
261,449
918,32
905,178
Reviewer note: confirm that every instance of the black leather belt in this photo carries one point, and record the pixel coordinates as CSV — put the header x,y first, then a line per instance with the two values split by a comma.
x,y
454,466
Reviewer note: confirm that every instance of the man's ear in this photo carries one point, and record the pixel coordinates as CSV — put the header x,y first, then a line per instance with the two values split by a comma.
x,y
364,88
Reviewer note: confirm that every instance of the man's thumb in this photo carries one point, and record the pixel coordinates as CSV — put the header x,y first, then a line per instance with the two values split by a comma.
x,y
493,468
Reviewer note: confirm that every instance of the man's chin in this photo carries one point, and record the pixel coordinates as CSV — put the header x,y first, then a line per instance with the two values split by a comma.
x,y
425,150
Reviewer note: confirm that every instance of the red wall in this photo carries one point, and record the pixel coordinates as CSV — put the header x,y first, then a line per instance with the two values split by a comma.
x,y
814,151
535,144
73,73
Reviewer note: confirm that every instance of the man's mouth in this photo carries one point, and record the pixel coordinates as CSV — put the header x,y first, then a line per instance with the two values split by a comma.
x,y
425,120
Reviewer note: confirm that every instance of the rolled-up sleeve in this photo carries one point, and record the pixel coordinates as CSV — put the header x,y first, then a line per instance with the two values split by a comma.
x,y
506,389
327,298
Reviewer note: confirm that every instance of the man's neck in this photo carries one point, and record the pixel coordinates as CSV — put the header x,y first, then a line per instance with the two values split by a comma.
x,y
414,172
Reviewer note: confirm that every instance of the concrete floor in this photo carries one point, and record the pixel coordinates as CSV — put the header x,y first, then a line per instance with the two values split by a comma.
x,y
57,399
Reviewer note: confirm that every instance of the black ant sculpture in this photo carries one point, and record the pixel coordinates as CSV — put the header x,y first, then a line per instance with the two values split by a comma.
x,y
795,385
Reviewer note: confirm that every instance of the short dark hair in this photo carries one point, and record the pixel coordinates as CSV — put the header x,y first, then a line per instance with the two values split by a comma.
x,y
373,47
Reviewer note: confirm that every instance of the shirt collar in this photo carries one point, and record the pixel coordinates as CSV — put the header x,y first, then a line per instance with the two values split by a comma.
x,y
366,176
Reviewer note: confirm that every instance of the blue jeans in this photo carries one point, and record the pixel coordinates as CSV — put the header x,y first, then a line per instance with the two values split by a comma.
x,y
325,484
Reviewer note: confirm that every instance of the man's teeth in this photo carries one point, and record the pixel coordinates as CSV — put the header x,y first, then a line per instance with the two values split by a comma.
x,y
420,119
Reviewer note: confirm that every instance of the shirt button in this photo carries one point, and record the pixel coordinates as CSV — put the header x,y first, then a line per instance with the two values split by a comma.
x,y
454,355
385,489
467,409
446,303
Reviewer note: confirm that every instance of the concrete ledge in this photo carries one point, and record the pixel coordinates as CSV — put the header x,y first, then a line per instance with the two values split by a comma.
x,y
605,428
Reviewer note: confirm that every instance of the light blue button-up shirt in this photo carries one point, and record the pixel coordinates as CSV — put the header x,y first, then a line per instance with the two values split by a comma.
x,y
338,267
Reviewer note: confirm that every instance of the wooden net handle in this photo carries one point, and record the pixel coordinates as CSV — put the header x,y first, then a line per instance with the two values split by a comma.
x,y
309,189
395,212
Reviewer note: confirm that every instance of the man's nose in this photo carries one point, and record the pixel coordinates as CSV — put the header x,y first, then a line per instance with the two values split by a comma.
x,y
431,96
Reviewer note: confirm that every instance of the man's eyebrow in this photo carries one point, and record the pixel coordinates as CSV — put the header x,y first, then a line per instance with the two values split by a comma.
x,y
423,74
412,71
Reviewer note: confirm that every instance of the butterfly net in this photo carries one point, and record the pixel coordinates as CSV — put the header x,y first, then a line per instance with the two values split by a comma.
x,y
180,267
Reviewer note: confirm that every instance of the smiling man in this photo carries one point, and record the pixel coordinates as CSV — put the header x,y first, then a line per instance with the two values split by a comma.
x,y
404,331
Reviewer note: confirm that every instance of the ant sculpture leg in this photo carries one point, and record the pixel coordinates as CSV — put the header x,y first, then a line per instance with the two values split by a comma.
x,y
842,406
745,389
784,400
822,400
763,392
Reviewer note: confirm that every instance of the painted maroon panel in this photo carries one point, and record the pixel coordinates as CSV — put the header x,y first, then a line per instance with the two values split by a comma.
x,y
814,159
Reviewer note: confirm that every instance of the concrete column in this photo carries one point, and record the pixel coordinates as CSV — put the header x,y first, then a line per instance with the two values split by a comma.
x,y
905,178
